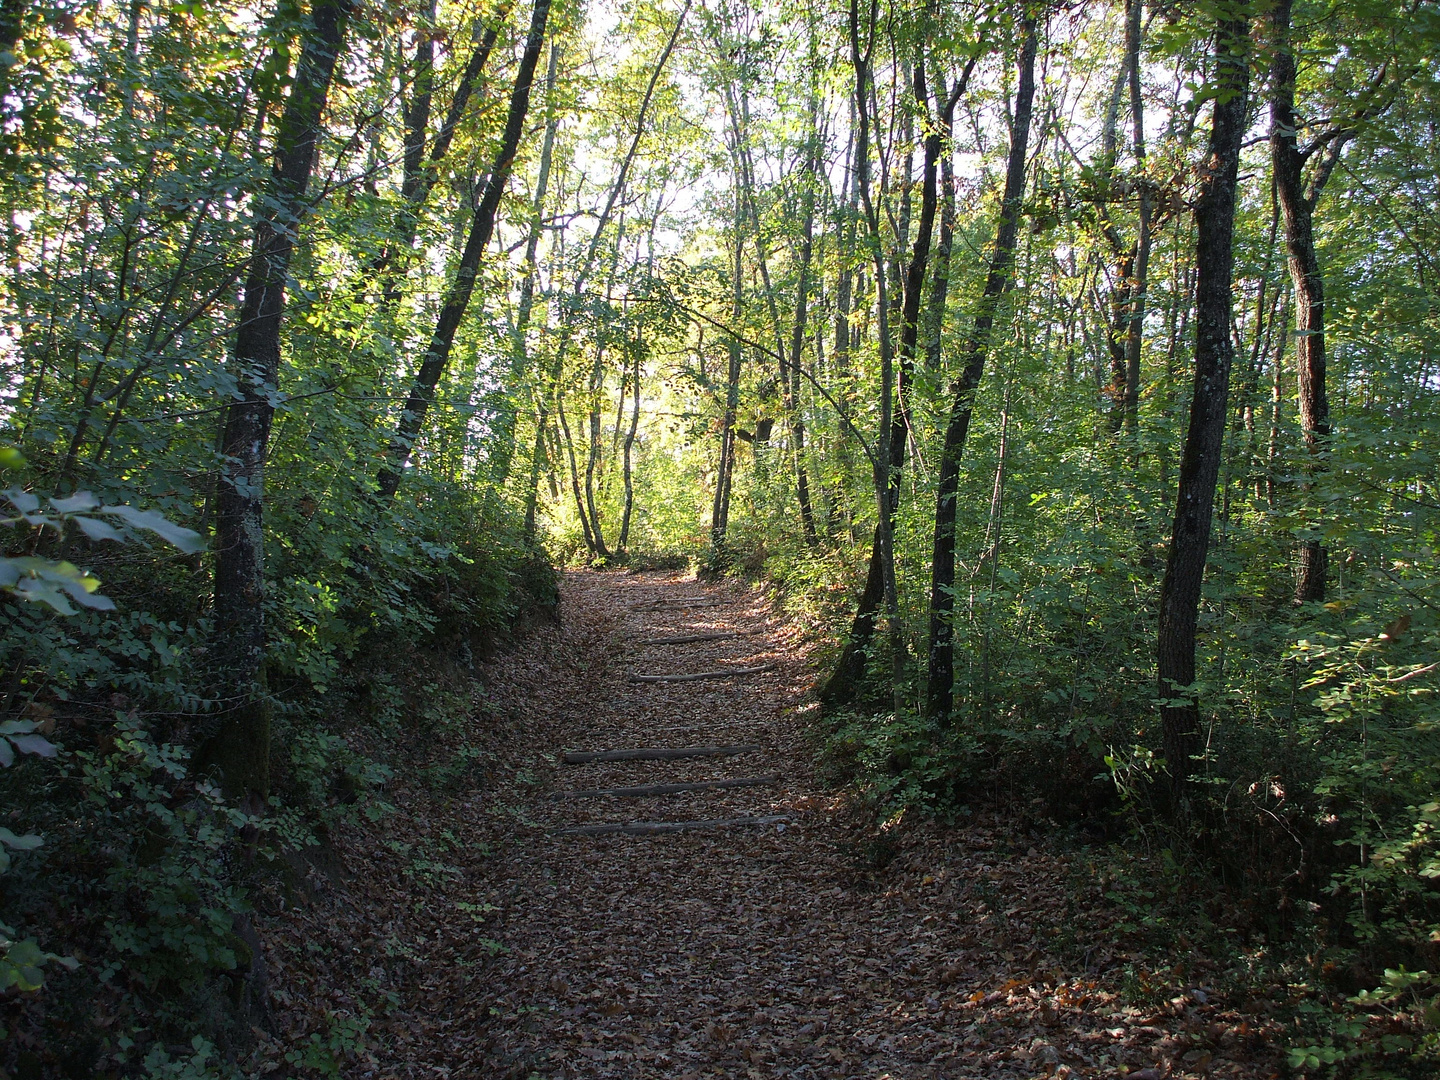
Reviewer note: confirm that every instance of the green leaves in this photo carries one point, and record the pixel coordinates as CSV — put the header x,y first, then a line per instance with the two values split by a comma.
x,y
21,964
10,842
81,509
56,582
51,582
187,540
19,735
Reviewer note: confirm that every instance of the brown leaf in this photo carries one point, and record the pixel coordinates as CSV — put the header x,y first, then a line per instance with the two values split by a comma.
x,y
1396,628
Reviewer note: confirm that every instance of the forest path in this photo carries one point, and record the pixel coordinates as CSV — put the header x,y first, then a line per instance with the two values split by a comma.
x,y
808,947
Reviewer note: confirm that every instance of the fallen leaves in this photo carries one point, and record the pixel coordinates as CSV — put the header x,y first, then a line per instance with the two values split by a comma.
x,y
739,952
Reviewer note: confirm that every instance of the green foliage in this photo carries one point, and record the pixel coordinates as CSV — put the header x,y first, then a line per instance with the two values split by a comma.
x,y
1390,1031
205,1063
328,1054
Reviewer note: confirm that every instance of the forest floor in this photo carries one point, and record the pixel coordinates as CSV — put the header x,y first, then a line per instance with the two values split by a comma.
x,y
466,935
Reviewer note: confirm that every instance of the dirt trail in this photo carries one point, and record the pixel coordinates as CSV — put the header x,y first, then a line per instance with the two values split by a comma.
x,y
797,946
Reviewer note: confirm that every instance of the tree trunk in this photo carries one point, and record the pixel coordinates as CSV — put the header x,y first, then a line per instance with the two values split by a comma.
x,y
940,276
1298,208
240,749
940,684
1200,459
791,377
1135,336
849,670
590,544
419,171
720,511
482,226
623,544
520,355
582,276
592,461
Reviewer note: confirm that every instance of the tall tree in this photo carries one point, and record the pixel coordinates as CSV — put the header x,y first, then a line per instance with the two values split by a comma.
x,y
1301,174
419,163
790,372
844,680
519,331
1297,202
1214,353
240,749
457,300
889,458
1135,330
548,391
940,683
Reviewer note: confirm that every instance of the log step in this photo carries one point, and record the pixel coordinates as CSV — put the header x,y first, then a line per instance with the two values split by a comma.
x,y
678,601
668,789
698,675
655,753
687,639
645,828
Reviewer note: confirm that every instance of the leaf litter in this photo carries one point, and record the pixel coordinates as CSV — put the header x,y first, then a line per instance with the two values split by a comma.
x,y
461,936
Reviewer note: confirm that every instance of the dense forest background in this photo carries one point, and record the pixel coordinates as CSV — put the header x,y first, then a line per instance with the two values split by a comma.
x,y
1070,367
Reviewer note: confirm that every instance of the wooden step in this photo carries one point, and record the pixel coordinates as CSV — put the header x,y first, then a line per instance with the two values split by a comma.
x,y
677,601
655,753
645,828
668,789
698,675
688,639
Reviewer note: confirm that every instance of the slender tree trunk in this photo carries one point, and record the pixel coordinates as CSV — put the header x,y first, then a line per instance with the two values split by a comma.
x,y
415,117
845,232
848,671
419,168
940,684
582,276
791,377
623,544
940,276
1277,399
520,350
592,461
1298,207
720,515
457,300
1200,459
590,544
880,585
1135,336
240,749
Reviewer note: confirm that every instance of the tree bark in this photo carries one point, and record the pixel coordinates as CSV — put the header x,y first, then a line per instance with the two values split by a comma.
x,y
880,587
482,226
720,509
579,493
1298,208
1135,334
623,544
592,461
520,356
940,683
419,171
557,362
240,749
790,378
1200,459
